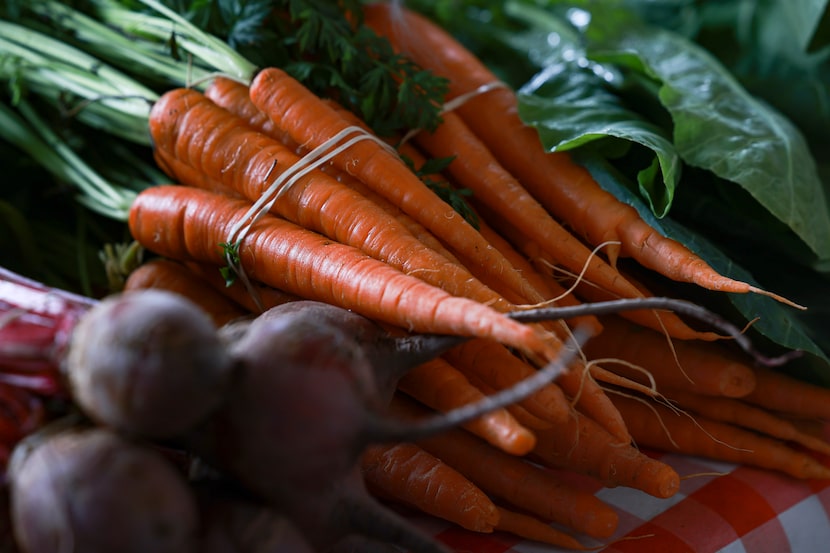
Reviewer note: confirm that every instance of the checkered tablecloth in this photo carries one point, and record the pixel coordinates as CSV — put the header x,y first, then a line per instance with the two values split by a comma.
x,y
720,508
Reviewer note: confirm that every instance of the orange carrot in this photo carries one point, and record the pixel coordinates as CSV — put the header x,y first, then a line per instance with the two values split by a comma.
x,y
235,97
746,415
311,122
165,274
659,427
253,301
530,528
442,387
704,368
525,485
777,391
475,168
499,368
662,321
406,473
417,229
547,288
525,418
187,223
566,189
245,160
583,446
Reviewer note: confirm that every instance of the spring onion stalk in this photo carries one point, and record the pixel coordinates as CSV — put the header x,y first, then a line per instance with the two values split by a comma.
x,y
25,128
108,39
210,50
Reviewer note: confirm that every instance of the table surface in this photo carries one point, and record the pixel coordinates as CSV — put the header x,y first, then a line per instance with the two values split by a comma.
x,y
720,508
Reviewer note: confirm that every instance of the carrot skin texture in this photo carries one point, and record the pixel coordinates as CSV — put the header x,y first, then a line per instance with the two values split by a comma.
x,y
584,446
512,479
698,435
407,473
747,415
235,97
546,287
530,528
527,486
285,99
703,368
246,161
441,386
563,187
261,299
777,391
475,168
190,224
166,274
498,367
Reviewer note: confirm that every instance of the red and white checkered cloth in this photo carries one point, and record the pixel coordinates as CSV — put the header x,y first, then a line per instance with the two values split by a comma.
x,y
737,510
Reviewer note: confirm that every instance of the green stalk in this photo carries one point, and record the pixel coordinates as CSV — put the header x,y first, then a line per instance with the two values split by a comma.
x,y
210,50
42,47
103,97
37,139
126,50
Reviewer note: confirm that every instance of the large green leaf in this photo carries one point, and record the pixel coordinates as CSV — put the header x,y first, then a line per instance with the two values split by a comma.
x,y
720,127
776,322
799,19
569,106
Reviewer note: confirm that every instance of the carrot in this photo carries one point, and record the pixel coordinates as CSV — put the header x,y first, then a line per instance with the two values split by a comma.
x,y
418,230
659,427
499,368
583,446
547,288
525,418
663,321
530,528
234,96
566,189
243,159
406,473
441,386
475,168
311,122
261,298
703,368
187,223
746,415
525,485
778,391
166,274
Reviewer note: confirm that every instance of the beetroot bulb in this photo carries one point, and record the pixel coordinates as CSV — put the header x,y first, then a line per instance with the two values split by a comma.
x,y
302,407
233,522
147,363
91,490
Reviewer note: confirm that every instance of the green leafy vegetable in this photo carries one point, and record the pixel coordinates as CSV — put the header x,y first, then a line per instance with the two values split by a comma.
x,y
570,104
719,126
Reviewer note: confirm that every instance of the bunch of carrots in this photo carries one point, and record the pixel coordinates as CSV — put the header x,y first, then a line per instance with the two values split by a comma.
x,y
280,194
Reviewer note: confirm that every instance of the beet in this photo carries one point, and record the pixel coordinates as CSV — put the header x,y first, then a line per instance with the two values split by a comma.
x,y
92,490
148,363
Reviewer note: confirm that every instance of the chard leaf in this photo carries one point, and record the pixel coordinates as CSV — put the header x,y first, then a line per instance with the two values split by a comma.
x,y
778,323
569,103
799,20
570,107
720,127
